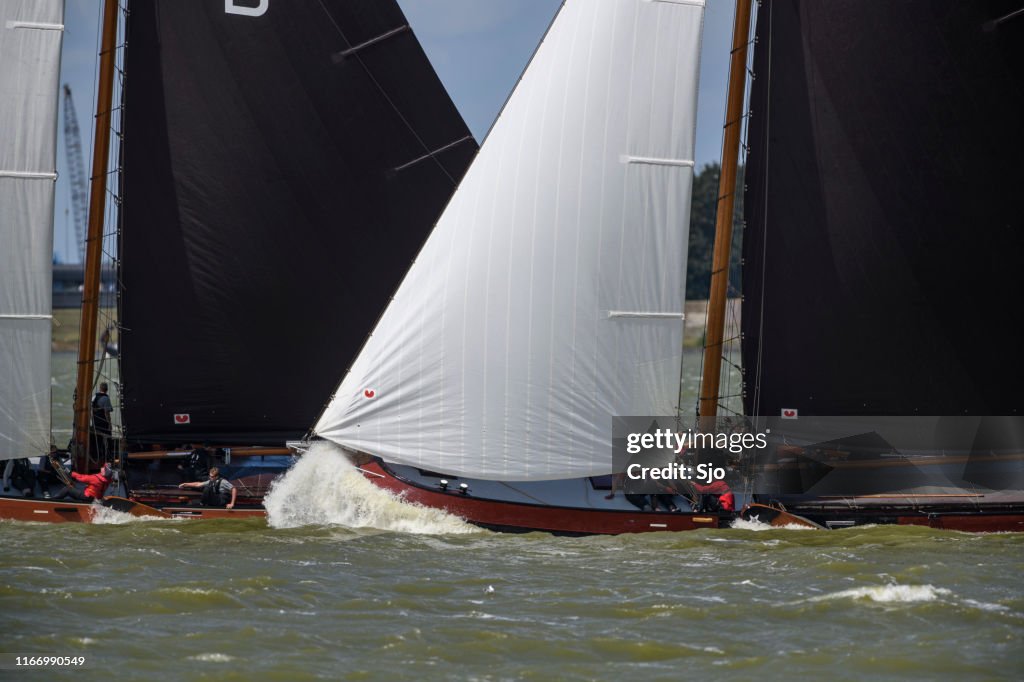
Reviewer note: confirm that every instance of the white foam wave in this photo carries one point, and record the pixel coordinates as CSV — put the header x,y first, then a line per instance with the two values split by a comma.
x,y
986,606
889,593
324,488
107,516
743,524
212,658
188,590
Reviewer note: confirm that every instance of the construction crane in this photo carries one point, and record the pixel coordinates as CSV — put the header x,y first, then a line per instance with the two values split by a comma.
x,y
76,172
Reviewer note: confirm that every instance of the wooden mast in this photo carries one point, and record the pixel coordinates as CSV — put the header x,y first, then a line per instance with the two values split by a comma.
x,y
713,338
94,238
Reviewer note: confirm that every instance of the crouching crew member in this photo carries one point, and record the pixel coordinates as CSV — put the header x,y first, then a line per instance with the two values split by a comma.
x,y
95,485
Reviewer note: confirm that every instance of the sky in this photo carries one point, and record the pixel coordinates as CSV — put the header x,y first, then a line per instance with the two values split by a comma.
x,y
478,48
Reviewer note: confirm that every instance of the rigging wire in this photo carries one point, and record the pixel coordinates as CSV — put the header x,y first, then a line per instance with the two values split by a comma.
x,y
752,383
732,346
729,348
109,244
756,379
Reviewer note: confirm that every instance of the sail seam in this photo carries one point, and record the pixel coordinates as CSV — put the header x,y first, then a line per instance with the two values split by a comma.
x,y
692,3
31,175
12,24
655,161
641,313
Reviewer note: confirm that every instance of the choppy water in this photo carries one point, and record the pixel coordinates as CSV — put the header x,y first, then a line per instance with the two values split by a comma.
x,y
348,583
358,586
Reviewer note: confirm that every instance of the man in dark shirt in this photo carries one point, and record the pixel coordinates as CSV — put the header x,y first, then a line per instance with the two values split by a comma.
x,y
102,411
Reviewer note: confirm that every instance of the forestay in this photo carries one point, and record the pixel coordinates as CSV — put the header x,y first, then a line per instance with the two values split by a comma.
x,y
30,42
549,296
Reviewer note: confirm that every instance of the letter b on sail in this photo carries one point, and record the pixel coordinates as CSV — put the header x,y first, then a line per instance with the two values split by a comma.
x,y
258,11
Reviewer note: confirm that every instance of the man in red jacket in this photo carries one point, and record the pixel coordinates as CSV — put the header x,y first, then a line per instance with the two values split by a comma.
x,y
716,496
95,486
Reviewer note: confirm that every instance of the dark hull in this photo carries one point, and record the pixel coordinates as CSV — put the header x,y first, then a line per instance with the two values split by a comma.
x,y
518,517
1009,519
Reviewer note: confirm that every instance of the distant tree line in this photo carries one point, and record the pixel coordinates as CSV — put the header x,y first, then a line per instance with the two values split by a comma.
x,y
702,233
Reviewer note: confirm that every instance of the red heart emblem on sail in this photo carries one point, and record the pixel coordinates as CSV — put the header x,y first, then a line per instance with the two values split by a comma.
x,y
369,393
789,414
182,419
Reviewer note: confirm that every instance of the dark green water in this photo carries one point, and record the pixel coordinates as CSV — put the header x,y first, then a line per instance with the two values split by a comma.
x,y
327,594
241,600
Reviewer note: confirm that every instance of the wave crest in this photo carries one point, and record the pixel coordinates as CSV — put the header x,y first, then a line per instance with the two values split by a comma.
x,y
324,488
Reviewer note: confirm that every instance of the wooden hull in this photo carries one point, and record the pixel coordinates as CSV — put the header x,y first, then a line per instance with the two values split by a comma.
x,y
209,513
777,518
65,511
974,521
154,477
508,516
189,499
520,518
50,511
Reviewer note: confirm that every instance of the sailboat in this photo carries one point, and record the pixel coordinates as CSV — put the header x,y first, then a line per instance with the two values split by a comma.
x,y
549,295
547,299
880,278
269,152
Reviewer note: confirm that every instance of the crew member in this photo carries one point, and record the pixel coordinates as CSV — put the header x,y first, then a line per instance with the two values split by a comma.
x,y
95,485
217,491
50,469
19,472
198,464
716,496
102,409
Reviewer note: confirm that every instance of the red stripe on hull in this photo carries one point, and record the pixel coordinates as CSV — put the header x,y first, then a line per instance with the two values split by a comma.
x,y
515,516
969,521
979,522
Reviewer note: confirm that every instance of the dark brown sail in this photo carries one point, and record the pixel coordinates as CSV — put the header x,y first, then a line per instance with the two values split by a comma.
x,y
282,166
884,230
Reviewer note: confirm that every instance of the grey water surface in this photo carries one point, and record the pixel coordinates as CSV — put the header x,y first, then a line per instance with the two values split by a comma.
x,y
244,600
241,600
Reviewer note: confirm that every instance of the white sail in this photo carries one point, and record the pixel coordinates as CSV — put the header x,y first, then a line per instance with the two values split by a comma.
x,y
30,40
549,296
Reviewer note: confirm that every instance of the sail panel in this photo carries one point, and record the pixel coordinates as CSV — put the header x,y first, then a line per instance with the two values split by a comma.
x,y
280,173
549,297
884,230
30,45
